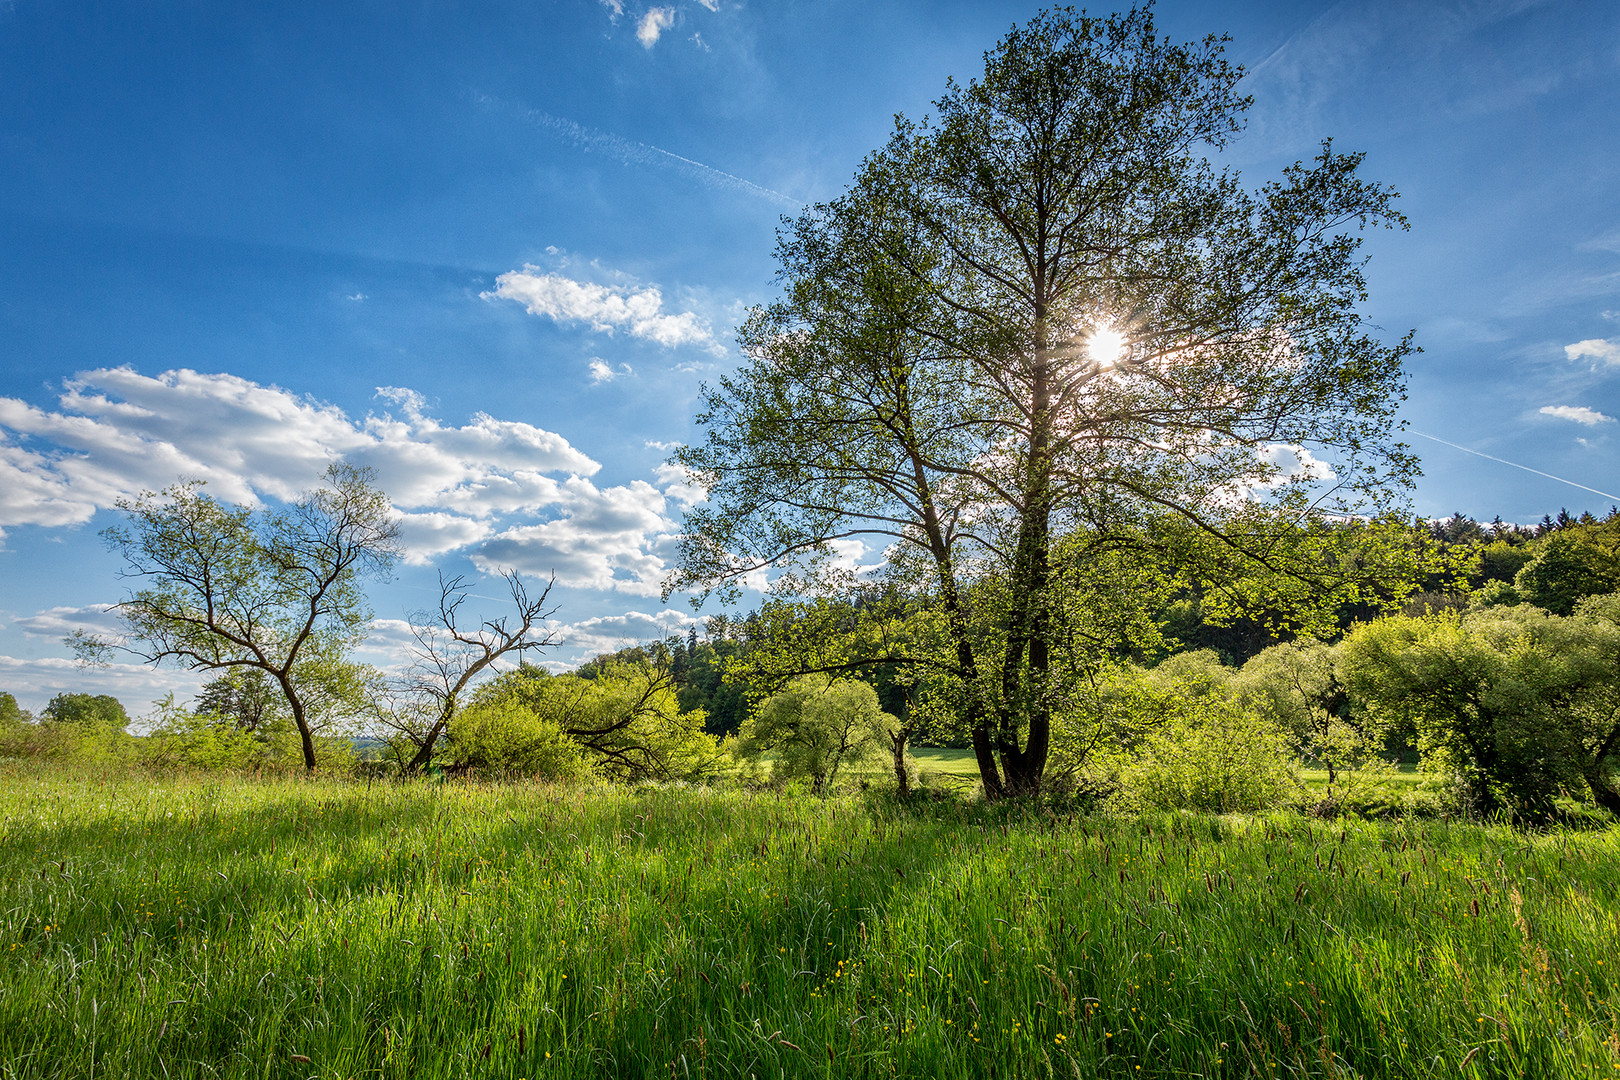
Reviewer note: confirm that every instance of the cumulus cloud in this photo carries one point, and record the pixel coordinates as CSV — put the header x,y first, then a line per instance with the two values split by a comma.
x,y
35,681
604,308
607,539
1578,413
653,24
602,372
615,8
506,493
1596,348
678,485
58,622
608,633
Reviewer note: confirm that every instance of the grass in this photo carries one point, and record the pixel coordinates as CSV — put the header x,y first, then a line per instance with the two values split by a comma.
x,y
196,927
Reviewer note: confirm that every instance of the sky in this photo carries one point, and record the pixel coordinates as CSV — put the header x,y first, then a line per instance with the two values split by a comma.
x,y
492,250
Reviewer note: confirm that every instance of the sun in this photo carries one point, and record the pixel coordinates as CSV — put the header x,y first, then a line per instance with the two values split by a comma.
x,y
1106,346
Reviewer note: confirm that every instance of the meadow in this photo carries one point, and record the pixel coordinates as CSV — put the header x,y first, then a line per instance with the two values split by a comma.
x,y
189,927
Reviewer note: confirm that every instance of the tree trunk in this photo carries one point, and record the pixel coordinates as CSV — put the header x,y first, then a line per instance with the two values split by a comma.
x,y
424,753
978,723
897,743
304,735
1604,790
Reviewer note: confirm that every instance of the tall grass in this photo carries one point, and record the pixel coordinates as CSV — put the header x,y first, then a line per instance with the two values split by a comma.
x,y
294,929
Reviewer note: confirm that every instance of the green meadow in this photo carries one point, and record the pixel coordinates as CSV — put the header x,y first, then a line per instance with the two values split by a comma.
x,y
189,927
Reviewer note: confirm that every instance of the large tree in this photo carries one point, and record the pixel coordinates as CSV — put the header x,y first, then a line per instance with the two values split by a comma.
x,y
1045,315
225,587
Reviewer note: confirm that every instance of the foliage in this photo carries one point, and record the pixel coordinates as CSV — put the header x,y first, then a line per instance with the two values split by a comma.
x,y
225,587
934,379
1297,687
814,726
1206,752
210,741
1516,702
1569,565
626,720
504,736
98,712
246,698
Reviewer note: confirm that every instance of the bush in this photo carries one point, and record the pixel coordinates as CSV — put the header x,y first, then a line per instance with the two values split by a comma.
x,y
625,719
210,741
1515,704
1212,755
506,737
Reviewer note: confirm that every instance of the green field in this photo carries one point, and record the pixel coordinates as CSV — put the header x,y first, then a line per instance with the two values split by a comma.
x,y
192,927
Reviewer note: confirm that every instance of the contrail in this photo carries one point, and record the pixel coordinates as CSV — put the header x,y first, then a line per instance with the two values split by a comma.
x,y
1516,465
629,152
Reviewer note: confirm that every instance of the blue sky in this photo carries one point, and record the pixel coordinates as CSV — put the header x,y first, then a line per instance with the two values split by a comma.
x,y
493,249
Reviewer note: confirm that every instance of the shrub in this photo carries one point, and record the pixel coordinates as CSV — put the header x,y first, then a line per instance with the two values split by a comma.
x,y
507,737
1209,754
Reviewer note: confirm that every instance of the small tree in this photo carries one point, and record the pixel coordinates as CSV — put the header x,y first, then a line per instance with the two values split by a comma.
x,y
815,726
98,712
227,587
246,698
1297,686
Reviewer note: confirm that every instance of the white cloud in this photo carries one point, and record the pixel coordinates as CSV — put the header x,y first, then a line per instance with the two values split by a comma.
x,y
604,308
1596,348
35,681
679,486
654,444
602,372
1578,413
58,622
712,5
606,538
653,24
506,492
608,633
615,8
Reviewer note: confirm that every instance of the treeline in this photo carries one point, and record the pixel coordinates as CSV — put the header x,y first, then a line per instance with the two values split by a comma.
x,y
1551,565
1499,670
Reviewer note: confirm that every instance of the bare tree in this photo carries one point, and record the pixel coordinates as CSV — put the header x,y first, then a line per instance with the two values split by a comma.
x,y
449,655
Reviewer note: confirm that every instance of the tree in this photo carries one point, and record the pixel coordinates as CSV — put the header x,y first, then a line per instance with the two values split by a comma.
x,y
815,725
245,697
12,715
1516,702
99,712
1297,686
229,588
1044,317
450,655
1570,563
